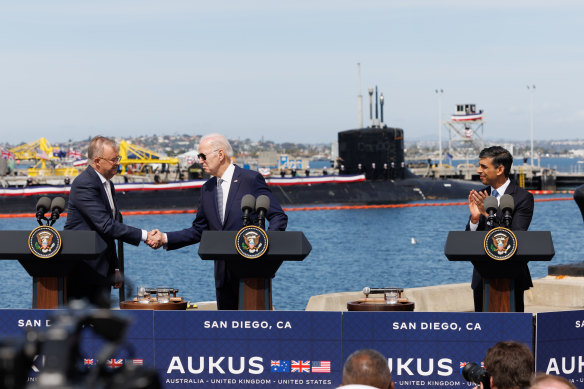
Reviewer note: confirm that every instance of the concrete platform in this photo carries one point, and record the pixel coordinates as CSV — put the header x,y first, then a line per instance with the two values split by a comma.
x,y
551,293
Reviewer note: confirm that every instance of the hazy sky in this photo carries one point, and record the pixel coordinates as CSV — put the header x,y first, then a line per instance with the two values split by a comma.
x,y
286,70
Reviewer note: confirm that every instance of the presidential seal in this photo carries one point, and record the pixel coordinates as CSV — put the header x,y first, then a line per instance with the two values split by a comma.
x,y
251,242
44,242
500,243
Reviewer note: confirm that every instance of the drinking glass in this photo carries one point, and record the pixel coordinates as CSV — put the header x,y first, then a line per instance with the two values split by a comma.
x,y
163,295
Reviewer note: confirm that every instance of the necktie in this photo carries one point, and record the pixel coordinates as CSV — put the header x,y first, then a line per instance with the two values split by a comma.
x,y
108,191
495,193
220,199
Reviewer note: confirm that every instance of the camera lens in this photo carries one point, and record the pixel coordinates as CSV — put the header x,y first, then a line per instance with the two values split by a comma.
x,y
474,373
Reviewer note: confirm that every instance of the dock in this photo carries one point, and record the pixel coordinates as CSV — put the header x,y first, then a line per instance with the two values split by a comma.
x,y
529,177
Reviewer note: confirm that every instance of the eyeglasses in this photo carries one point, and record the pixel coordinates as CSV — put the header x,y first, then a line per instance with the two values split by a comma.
x,y
204,157
113,160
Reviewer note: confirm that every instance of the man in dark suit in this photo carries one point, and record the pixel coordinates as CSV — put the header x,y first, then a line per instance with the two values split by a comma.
x,y
92,206
220,209
494,169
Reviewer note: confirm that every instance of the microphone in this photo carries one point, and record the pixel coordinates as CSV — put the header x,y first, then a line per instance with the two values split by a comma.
x,y
57,206
507,207
262,206
42,206
367,290
491,206
248,203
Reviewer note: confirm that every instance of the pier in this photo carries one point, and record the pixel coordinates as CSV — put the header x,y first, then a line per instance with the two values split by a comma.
x,y
529,177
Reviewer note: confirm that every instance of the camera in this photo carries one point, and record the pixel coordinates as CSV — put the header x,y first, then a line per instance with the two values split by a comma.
x,y
59,348
473,372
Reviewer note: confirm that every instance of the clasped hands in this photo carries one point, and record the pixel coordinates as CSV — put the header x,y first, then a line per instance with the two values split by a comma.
x,y
476,203
155,239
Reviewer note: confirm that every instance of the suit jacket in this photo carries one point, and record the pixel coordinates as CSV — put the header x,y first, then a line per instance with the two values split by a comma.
x,y
522,214
89,209
244,182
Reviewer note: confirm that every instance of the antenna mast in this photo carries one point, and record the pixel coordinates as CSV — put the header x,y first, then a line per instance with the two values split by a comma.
x,y
359,96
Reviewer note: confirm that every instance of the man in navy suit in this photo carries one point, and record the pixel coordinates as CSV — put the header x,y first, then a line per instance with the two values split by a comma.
x,y
220,210
92,206
494,169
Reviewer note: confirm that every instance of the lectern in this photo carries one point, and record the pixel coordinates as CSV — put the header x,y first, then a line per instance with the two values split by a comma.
x,y
49,274
255,285
498,288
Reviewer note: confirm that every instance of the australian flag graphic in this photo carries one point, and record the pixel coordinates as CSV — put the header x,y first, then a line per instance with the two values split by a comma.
x,y
278,366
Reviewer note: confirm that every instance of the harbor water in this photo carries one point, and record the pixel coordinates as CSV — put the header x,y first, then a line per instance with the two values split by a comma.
x,y
351,249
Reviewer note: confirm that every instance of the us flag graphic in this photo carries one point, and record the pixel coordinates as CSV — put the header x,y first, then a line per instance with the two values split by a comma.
x,y
321,366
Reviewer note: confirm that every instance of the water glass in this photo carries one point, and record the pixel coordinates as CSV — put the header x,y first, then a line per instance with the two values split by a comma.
x,y
391,295
143,296
163,295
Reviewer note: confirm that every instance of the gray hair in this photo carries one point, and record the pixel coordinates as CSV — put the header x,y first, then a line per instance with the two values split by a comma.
x,y
96,147
218,141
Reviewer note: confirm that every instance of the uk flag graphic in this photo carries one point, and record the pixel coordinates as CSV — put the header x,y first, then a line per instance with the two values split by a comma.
x,y
300,366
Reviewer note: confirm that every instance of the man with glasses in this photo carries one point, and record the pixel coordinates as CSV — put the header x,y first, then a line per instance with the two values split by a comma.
x,y
92,206
220,209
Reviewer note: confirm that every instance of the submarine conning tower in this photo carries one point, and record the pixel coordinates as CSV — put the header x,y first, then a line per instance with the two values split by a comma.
x,y
376,152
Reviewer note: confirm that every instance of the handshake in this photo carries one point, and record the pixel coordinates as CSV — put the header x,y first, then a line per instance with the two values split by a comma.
x,y
155,239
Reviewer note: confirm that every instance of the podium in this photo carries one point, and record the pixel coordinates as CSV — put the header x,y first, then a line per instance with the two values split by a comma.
x,y
49,274
498,286
255,275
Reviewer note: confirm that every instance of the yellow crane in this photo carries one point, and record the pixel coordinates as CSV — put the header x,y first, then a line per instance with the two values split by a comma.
x,y
134,154
41,151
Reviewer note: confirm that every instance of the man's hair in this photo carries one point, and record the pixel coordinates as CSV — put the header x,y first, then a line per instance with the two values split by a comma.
x,y
367,367
540,381
96,147
510,364
218,141
500,157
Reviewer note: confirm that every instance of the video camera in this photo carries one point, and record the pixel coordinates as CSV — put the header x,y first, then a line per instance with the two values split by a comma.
x,y
59,347
476,374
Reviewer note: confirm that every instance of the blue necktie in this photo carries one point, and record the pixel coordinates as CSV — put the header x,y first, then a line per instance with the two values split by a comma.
x,y
495,193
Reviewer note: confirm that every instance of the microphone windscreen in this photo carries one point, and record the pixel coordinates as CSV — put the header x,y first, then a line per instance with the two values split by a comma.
x,y
507,203
248,202
263,202
58,203
44,203
366,290
491,204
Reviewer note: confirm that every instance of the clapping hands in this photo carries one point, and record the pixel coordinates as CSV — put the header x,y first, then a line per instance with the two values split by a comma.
x,y
155,239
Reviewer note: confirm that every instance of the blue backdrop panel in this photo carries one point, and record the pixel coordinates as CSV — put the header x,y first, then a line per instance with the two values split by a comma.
x,y
560,345
248,349
427,349
138,343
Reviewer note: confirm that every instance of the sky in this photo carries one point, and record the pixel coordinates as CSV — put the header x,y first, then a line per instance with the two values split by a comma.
x,y
287,70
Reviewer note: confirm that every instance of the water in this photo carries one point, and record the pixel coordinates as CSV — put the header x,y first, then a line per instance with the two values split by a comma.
x,y
351,249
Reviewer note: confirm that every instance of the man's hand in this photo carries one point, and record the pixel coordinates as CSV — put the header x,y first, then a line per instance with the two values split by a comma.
x,y
476,204
118,279
155,239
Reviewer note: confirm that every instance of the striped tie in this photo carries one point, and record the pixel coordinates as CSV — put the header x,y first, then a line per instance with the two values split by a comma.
x,y
220,199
